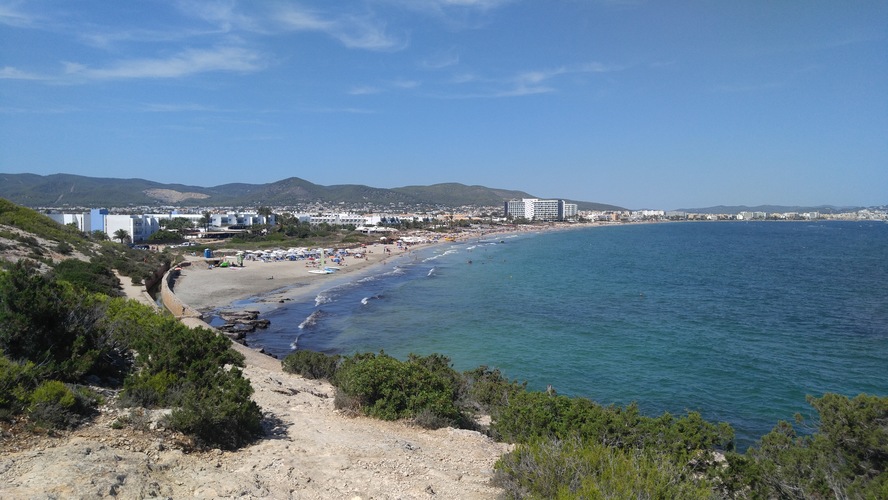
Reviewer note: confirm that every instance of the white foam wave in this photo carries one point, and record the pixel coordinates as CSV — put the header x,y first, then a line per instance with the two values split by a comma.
x,y
366,300
438,256
311,320
323,298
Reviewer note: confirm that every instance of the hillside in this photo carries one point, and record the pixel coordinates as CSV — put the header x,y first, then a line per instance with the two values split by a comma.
x,y
61,190
308,449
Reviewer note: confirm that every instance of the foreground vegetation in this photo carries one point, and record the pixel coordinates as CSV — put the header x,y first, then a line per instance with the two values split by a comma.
x,y
575,448
65,331
57,340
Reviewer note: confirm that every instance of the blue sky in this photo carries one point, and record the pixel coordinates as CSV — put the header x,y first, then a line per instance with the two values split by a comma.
x,y
643,104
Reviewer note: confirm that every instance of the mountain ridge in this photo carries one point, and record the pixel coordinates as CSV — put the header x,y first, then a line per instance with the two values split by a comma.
x,y
58,190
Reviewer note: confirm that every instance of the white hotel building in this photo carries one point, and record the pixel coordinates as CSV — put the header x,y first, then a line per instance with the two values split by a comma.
x,y
540,210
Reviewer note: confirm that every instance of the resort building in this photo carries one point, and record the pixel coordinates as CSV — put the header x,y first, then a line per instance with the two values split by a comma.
x,y
342,219
541,210
139,227
238,219
568,211
79,220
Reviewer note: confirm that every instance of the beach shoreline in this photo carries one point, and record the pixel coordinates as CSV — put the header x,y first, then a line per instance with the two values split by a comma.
x,y
265,285
206,288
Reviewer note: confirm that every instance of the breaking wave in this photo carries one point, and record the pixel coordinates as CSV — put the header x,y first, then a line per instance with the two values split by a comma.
x,y
311,320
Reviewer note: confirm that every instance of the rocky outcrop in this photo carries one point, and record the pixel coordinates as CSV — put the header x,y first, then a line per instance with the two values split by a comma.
x,y
239,323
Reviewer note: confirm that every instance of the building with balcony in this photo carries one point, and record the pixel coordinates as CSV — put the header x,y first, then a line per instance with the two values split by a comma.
x,y
540,210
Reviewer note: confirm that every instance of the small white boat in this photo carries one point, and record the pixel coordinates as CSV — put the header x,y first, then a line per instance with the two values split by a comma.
x,y
324,268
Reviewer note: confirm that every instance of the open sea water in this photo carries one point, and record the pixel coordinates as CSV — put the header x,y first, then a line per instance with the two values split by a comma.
x,y
736,320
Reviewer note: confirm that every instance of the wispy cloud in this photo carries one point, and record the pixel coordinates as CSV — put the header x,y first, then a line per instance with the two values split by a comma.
x,y
185,63
221,13
10,15
364,90
10,73
749,87
405,84
352,111
441,6
384,87
527,82
352,30
177,108
440,60
112,39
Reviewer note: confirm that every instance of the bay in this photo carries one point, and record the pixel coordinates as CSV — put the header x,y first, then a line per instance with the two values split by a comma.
x,y
737,320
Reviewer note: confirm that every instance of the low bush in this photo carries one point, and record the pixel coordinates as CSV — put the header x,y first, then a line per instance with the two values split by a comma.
x,y
550,468
185,369
846,456
17,381
488,390
220,414
312,365
386,388
91,277
51,324
53,404
533,415
64,248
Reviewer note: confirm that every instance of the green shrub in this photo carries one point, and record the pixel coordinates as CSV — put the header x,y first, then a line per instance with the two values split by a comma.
x,y
488,390
149,390
383,387
846,457
184,369
428,419
17,381
92,277
312,365
51,324
550,468
221,414
53,404
64,248
533,415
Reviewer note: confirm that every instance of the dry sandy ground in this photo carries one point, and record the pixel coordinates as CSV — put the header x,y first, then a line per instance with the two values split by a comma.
x,y
309,450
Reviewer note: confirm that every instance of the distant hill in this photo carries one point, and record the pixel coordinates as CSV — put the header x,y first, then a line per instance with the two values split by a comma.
x,y
61,190
736,209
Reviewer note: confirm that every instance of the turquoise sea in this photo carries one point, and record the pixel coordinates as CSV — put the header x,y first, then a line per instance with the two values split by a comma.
x,y
737,320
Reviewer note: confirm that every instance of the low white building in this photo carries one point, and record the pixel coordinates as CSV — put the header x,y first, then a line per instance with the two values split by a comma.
x,y
238,219
139,227
80,220
341,219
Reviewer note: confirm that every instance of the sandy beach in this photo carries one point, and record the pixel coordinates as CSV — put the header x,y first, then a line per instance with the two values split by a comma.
x,y
205,288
